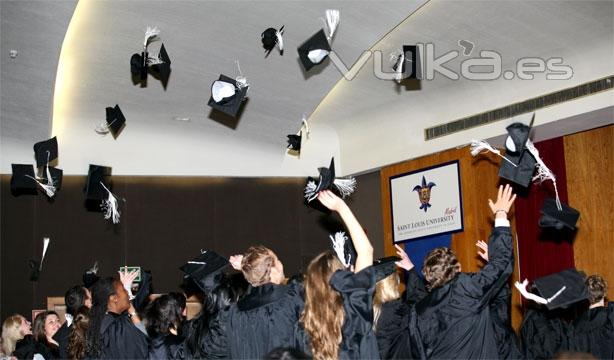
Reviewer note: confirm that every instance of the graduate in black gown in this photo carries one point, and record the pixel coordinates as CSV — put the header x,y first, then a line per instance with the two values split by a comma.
x,y
593,330
264,318
454,319
113,332
164,317
337,322
76,297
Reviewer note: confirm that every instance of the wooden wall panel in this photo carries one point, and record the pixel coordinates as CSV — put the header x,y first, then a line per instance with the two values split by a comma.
x,y
588,159
479,181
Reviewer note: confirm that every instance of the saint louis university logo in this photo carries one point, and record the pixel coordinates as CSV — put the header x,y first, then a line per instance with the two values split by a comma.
x,y
424,193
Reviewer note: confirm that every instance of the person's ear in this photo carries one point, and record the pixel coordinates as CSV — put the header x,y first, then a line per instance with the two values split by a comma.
x,y
114,298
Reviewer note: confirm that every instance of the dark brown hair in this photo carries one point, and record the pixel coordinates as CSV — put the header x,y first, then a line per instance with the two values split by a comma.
x,y
77,338
440,267
597,288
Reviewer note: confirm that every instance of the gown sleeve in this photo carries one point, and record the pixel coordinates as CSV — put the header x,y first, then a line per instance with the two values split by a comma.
x,y
358,289
415,287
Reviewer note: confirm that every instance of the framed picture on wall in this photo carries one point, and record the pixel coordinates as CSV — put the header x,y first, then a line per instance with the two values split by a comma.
x,y
426,202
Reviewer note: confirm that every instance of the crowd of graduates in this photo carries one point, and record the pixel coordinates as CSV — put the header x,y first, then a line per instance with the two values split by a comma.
x,y
345,306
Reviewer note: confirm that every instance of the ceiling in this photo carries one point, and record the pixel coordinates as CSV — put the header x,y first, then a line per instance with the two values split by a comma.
x,y
74,61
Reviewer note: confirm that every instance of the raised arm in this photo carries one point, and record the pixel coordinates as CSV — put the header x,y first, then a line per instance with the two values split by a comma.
x,y
364,249
500,255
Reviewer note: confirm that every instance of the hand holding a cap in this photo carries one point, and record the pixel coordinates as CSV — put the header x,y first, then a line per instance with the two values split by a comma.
x,y
330,200
505,199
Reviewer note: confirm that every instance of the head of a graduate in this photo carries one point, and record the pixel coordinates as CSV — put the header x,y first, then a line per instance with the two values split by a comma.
x,y
108,294
75,298
46,324
261,266
597,289
440,267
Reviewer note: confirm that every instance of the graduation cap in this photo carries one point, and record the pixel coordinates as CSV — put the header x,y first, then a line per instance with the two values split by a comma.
x,y
90,276
161,67
344,248
314,50
228,94
408,64
97,179
206,269
272,37
517,153
562,289
37,266
385,266
140,62
294,142
138,66
46,151
115,121
327,180
53,176
23,180
552,217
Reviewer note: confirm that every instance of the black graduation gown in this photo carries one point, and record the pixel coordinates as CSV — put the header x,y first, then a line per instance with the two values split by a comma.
x,y
27,347
594,332
544,334
454,321
263,320
121,339
392,332
166,347
207,337
62,337
358,339
507,341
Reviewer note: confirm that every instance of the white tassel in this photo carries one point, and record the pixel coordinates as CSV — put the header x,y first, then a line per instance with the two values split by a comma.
x,y
280,39
305,126
49,188
241,80
345,186
543,172
45,246
522,288
310,191
152,60
338,245
110,207
151,34
103,128
478,146
332,21
93,269
399,67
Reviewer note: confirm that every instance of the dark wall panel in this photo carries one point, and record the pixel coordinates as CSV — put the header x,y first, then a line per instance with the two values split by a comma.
x,y
165,221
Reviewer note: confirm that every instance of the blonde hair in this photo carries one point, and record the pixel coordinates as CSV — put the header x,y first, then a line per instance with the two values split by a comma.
x,y
386,290
440,267
11,333
323,314
256,265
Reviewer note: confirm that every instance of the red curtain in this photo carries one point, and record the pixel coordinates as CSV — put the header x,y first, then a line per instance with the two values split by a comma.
x,y
543,252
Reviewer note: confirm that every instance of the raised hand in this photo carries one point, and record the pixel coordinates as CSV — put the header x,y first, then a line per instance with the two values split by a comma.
x,y
483,249
330,200
404,263
235,261
505,199
127,278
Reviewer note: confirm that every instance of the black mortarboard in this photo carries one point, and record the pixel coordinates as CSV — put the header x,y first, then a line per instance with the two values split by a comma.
x,y
327,177
138,66
347,254
227,95
95,175
46,151
314,50
115,120
22,181
384,267
410,63
206,269
575,289
552,217
90,276
294,142
34,270
270,39
162,70
517,136
522,174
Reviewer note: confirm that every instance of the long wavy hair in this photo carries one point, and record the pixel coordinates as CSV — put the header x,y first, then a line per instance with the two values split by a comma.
x,y
323,315
11,333
77,338
386,290
101,291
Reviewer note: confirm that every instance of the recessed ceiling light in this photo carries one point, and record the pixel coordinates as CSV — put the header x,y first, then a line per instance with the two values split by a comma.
x,y
181,118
